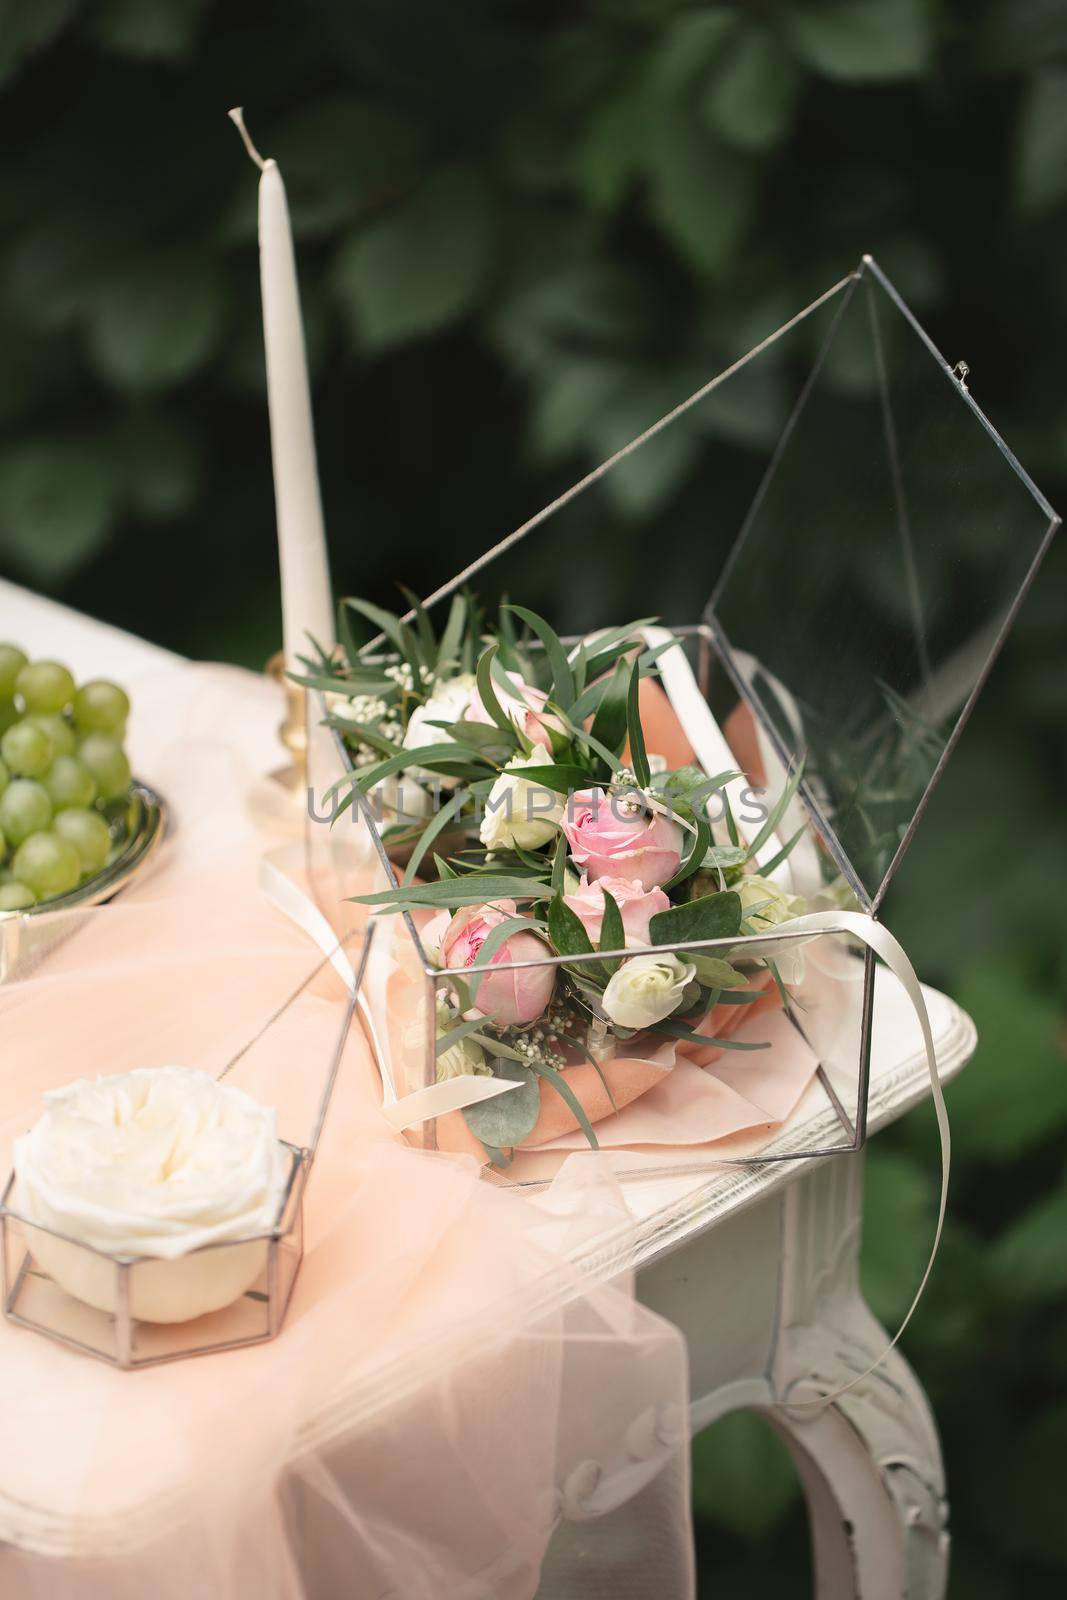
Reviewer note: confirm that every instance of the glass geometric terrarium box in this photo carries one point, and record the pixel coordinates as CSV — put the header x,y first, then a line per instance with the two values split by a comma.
x,y
825,648
155,1211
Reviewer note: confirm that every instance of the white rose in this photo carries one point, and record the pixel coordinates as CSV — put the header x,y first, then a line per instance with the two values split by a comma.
x,y
768,906
646,989
449,702
518,812
155,1162
766,902
463,1059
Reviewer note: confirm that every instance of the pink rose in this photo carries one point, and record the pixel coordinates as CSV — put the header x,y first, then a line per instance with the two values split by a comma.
x,y
637,905
509,996
609,842
524,706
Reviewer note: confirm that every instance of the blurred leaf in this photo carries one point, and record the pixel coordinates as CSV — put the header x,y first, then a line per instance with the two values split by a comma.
x,y
685,49
58,498
914,268
590,307
1013,1095
897,1229
153,29
703,195
27,26
1041,162
156,323
420,267
572,396
861,40
750,408
743,1477
345,156
56,267
752,98
160,466
1020,33
1029,1259
647,479
1025,1485
611,151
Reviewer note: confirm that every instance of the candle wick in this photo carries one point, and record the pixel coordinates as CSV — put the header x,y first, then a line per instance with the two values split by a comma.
x,y
237,117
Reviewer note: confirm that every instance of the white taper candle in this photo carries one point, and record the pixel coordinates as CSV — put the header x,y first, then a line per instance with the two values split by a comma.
x,y
307,603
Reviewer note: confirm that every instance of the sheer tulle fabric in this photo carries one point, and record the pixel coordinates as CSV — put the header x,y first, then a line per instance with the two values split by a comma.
x,y
446,1387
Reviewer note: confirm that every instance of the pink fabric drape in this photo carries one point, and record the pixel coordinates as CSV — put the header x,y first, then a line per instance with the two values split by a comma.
x,y
447,1385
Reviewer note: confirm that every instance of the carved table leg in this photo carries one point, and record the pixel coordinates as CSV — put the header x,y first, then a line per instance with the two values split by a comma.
x,y
770,1304
870,1461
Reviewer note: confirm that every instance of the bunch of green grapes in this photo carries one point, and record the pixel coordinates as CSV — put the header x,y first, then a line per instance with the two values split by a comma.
x,y
62,764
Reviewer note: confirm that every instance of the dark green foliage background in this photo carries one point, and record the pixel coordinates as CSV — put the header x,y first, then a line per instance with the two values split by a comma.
x,y
523,227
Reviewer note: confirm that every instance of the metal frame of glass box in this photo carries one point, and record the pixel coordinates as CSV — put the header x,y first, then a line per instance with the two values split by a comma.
x,y
929,506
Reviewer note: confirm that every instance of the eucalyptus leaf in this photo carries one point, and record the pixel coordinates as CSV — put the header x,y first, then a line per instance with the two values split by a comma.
x,y
714,916
504,1121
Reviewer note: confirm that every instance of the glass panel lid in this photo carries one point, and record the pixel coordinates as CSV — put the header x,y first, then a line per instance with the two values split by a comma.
x,y
882,560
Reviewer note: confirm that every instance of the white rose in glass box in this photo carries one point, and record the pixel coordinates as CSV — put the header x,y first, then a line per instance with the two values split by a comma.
x,y
156,1162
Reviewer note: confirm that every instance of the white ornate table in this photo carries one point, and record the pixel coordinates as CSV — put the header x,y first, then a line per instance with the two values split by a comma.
x,y
756,1264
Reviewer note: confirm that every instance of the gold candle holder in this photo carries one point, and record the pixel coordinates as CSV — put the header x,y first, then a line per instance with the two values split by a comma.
x,y
292,730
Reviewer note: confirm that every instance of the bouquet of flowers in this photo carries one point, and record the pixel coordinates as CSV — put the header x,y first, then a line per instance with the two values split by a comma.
x,y
515,782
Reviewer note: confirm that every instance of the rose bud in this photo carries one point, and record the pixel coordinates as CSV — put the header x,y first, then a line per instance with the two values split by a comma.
x,y
509,997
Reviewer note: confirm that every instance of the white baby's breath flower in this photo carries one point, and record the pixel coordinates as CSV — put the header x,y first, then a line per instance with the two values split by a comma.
x,y
645,989
519,812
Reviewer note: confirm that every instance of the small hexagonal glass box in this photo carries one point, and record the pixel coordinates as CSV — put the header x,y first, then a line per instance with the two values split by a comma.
x,y
136,1310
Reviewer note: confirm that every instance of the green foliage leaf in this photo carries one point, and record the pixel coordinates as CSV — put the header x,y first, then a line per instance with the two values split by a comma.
x,y
150,30
702,193
899,1204
1029,1259
866,41
161,463
1013,1095
27,28
562,677
714,916
155,324
610,721
566,930
421,266
1041,162
752,99
344,156
58,500
612,933
430,833
634,731
468,889
504,1121
558,1080
743,1478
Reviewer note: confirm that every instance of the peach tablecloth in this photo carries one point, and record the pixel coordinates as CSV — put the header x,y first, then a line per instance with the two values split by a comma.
x,y
444,1388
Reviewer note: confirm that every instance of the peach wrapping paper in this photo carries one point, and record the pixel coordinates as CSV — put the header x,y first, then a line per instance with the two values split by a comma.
x,y
443,1375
